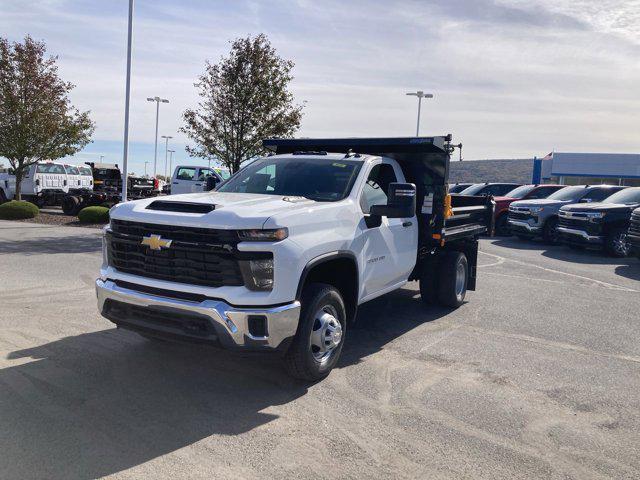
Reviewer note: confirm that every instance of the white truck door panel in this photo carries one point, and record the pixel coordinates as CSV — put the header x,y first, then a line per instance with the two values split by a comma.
x,y
388,245
183,180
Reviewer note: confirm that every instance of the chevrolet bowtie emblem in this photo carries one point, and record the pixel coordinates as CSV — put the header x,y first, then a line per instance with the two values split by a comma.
x,y
156,242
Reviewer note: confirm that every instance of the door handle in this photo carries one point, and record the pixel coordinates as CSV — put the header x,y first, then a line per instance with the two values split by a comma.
x,y
198,184
407,224
175,183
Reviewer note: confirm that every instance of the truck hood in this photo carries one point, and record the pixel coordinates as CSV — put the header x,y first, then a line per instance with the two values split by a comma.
x,y
231,210
540,202
599,207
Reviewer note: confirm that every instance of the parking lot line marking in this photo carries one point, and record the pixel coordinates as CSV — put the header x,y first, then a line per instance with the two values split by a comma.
x,y
612,286
551,343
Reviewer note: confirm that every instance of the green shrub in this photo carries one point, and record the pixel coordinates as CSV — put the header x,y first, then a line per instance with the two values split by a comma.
x,y
94,215
17,210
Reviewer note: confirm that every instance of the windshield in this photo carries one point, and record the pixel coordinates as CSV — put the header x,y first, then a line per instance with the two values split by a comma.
x,y
520,192
628,196
85,171
473,189
314,178
567,193
224,174
71,170
108,173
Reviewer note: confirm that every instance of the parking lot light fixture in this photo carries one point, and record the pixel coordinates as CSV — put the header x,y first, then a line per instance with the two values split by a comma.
x,y
420,94
166,152
158,101
171,152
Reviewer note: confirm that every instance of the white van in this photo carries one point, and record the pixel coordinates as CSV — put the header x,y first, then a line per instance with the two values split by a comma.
x,y
86,177
44,183
190,179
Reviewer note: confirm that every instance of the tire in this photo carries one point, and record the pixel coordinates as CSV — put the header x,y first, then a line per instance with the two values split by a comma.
x,y
428,284
573,246
550,231
322,321
70,205
454,276
524,238
502,226
616,243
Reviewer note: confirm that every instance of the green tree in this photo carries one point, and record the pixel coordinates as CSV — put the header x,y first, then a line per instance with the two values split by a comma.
x,y
37,120
244,99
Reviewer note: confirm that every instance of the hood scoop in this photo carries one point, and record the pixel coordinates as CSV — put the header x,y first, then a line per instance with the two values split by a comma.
x,y
182,207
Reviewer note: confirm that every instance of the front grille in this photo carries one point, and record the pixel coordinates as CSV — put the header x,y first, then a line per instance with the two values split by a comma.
x,y
575,223
519,215
196,256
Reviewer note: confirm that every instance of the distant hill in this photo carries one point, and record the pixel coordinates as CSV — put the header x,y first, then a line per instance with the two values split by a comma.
x,y
479,171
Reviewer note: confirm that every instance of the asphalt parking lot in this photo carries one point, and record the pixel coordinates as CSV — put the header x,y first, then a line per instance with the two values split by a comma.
x,y
536,376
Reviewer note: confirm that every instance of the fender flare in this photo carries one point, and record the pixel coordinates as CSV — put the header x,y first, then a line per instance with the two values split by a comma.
x,y
324,258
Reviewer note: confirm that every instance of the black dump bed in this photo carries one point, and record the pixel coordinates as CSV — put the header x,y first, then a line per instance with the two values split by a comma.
x,y
424,162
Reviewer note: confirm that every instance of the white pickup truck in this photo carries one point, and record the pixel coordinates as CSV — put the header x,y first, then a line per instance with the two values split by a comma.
x,y
193,179
282,254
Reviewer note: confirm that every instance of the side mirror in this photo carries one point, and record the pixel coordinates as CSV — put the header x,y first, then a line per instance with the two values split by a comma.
x,y
401,202
212,181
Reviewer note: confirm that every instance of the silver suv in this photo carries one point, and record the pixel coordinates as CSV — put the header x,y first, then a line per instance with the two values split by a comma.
x,y
533,218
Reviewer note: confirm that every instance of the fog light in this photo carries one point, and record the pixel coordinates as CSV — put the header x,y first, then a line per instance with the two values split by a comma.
x,y
262,272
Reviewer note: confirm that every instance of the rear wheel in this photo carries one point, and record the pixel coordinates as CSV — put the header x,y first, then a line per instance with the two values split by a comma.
x,y
550,231
454,276
70,205
316,348
616,243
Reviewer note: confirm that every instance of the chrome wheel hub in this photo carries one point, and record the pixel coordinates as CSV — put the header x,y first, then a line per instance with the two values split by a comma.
x,y
326,333
620,244
460,278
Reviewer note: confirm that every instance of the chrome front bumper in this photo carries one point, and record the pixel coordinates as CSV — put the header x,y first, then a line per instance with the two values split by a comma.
x,y
212,321
525,225
582,234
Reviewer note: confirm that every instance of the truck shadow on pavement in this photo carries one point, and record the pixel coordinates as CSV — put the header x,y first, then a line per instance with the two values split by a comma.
x,y
384,319
99,403
95,404
44,245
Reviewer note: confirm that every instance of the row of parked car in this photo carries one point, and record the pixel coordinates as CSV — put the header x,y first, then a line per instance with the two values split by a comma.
x,y
74,186
601,217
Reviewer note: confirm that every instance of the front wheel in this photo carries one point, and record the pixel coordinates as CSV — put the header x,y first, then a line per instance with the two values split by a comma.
x,y
502,226
616,243
316,348
550,232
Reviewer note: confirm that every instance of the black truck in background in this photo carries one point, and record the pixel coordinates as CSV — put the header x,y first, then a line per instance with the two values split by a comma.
x,y
601,225
107,189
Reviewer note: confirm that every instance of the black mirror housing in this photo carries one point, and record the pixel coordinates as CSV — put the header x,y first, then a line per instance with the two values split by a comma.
x,y
401,202
212,181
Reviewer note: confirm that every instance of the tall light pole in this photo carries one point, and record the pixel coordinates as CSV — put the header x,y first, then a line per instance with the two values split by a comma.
x,y
145,167
171,152
166,153
420,94
126,104
158,101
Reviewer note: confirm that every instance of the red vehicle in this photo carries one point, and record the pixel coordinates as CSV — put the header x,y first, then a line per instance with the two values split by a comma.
x,y
525,192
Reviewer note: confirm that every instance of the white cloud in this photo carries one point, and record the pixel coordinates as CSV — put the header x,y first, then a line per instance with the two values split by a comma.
x,y
511,78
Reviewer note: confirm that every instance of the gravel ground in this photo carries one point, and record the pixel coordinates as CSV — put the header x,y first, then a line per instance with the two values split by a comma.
x,y
536,376
51,216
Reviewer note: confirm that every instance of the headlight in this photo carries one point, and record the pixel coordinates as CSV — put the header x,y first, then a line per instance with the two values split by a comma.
x,y
535,210
258,274
274,235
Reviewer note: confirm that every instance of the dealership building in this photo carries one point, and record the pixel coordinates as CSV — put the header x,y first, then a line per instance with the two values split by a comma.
x,y
588,168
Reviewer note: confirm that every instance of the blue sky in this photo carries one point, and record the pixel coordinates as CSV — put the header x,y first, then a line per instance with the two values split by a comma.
x,y
511,78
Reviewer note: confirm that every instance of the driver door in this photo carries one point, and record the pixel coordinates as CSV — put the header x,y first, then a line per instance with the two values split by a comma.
x,y
389,245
